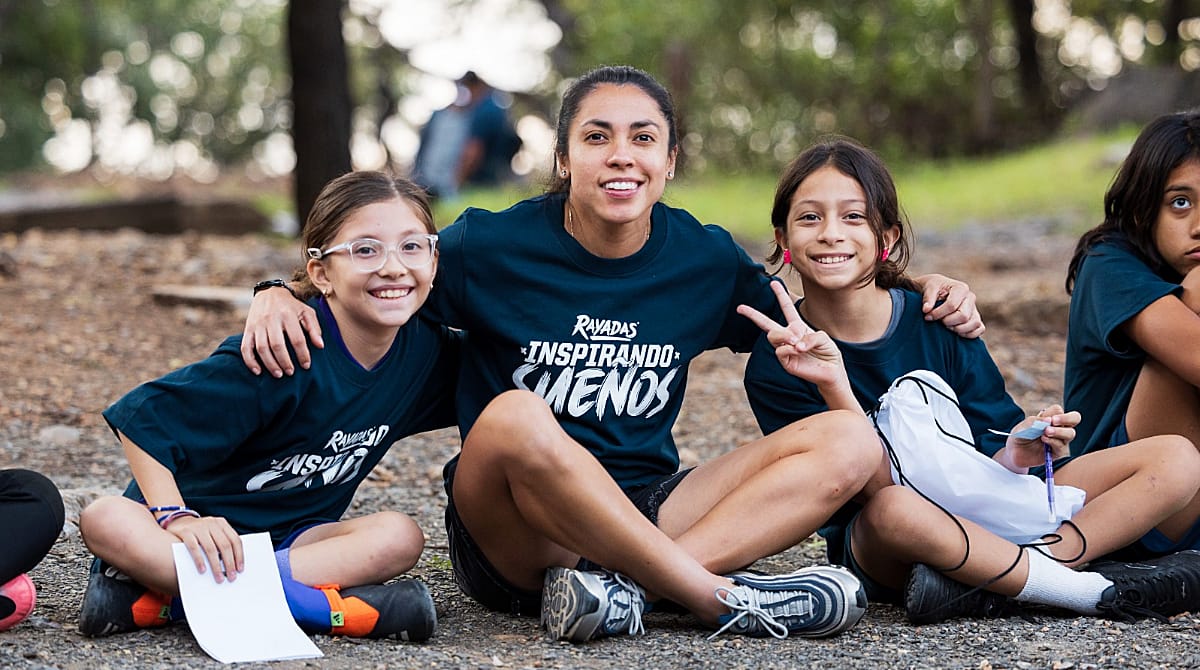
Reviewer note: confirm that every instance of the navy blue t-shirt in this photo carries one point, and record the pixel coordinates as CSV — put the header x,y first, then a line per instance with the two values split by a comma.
x,y
278,454
1112,286
606,342
491,126
911,343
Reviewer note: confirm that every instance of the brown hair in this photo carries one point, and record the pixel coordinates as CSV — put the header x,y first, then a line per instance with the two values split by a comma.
x,y
344,195
1132,202
883,205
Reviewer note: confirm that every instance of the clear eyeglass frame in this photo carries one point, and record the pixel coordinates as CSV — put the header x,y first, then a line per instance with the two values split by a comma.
x,y
368,254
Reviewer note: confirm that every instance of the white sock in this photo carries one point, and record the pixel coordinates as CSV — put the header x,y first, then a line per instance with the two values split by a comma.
x,y
1052,583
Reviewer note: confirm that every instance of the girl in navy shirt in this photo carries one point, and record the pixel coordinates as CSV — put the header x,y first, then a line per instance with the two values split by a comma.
x,y
838,225
1133,367
217,451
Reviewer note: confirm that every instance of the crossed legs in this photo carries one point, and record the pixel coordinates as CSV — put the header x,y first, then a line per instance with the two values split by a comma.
x,y
532,497
1142,485
386,544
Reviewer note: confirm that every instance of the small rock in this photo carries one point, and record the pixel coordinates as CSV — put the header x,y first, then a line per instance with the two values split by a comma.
x,y
59,436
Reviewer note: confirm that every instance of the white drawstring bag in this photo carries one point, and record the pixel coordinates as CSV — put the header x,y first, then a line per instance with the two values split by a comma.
x,y
933,452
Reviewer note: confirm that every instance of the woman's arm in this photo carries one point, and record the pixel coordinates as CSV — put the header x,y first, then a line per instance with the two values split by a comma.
x,y
952,302
276,319
205,537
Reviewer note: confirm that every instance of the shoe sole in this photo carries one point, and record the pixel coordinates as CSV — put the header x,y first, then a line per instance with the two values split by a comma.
x,y
563,598
21,592
842,591
95,617
914,607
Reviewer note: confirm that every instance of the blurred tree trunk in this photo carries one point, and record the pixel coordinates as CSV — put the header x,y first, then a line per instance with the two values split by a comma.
x,y
984,111
562,56
1174,12
321,106
677,60
1029,72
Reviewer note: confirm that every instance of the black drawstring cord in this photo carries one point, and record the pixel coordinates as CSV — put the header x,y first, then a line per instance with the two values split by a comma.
x,y
894,459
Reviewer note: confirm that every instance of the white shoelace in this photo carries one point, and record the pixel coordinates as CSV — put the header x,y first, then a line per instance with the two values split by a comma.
x,y
742,607
636,604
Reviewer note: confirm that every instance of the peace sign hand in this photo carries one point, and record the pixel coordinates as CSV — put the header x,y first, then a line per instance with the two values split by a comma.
x,y
808,354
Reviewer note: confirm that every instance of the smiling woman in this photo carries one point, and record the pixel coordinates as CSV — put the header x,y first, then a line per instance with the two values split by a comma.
x,y
584,308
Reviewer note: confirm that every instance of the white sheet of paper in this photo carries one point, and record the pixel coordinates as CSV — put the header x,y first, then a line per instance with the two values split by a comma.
x,y
247,619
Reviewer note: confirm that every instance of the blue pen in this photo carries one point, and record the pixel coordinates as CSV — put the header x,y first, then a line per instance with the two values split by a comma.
x,y
1050,482
1033,432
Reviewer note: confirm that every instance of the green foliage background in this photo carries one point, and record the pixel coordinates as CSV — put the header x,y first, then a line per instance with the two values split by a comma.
x,y
754,80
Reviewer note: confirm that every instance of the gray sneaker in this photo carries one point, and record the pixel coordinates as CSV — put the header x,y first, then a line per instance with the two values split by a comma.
x,y
581,606
817,601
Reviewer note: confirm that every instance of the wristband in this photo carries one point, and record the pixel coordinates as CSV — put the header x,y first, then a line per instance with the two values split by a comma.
x,y
166,519
272,283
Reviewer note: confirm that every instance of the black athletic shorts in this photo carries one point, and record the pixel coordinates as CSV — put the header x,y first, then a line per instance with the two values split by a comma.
x,y
476,576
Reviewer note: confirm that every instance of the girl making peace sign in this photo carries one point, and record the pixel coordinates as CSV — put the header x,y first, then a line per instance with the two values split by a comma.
x,y
859,326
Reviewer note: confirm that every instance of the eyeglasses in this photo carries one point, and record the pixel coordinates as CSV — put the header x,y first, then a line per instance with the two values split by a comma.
x,y
370,255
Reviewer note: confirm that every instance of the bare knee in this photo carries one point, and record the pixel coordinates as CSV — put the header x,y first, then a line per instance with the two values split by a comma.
x,y
103,522
515,410
399,541
517,430
1176,466
847,446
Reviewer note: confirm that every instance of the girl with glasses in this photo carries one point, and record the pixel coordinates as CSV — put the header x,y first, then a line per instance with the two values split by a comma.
x,y
217,451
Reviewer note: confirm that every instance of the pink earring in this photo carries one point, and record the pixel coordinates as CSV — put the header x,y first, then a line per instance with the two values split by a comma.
x,y
884,256
787,256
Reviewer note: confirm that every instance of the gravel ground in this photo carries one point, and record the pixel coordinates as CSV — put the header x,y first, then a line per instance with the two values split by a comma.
x,y
79,327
